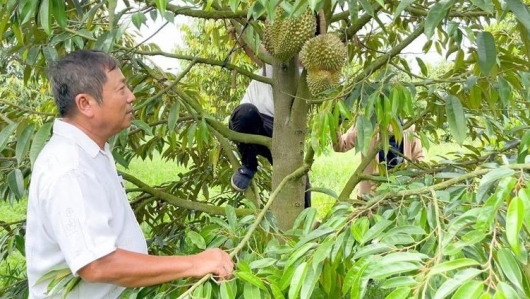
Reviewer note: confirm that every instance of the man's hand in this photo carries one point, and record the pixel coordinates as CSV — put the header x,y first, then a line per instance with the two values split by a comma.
x,y
216,262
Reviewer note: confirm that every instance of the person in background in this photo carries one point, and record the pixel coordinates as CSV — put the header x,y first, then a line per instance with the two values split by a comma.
x,y
255,115
78,213
410,148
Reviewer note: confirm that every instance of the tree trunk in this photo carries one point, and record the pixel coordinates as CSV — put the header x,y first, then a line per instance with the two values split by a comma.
x,y
290,125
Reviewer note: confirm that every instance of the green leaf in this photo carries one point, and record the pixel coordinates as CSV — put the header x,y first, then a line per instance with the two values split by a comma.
x,y
372,249
401,6
376,230
50,54
74,281
226,290
514,223
359,228
59,13
15,181
469,290
323,251
297,280
422,66
299,253
456,118
487,53
406,229
400,281
320,232
490,178
485,5
55,273
143,126
367,7
510,267
403,257
161,5
231,216
364,134
524,194
352,280
262,263
197,239
23,142
436,15
138,19
453,265
251,291
450,285
327,191
39,140
311,280
6,133
250,278
382,271
399,293
286,277
505,90
105,41
45,16
506,290
173,117
520,10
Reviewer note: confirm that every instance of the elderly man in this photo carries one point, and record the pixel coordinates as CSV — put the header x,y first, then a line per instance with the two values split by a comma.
x,y
78,212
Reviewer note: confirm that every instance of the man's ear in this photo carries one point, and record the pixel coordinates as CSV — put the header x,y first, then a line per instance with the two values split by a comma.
x,y
85,104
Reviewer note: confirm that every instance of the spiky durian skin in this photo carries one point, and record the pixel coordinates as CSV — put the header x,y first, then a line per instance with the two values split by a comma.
x,y
285,37
324,52
321,80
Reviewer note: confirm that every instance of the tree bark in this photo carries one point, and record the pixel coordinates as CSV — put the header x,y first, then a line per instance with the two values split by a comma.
x,y
290,123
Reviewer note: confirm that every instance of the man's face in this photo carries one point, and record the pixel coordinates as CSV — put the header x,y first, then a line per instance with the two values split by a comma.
x,y
115,113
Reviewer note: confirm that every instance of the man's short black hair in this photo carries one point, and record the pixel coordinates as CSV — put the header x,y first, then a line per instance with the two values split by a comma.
x,y
83,71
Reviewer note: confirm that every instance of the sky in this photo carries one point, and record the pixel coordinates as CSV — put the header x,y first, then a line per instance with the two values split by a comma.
x,y
168,38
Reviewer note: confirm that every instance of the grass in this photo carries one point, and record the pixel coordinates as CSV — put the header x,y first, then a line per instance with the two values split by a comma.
x,y
13,212
153,172
331,170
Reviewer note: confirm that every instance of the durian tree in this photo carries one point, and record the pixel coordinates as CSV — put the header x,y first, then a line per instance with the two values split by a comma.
x,y
456,227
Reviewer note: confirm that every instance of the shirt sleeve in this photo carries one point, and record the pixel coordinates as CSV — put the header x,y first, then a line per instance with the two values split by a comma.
x,y
346,141
79,215
416,148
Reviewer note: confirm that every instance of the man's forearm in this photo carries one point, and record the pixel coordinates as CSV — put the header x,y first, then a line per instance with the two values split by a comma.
x,y
130,269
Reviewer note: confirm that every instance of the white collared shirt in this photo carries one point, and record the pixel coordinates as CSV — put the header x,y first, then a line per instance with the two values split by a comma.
x,y
78,212
260,94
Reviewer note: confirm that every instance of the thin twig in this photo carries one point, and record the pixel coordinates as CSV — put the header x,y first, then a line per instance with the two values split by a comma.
x,y
296,174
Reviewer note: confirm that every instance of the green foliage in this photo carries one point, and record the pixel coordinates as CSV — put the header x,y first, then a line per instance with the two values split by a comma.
x,y
452,227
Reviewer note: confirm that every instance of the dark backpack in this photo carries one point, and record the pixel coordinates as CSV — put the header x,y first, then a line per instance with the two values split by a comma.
x,y
392,159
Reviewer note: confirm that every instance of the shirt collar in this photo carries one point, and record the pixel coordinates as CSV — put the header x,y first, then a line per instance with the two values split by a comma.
x,y
77,136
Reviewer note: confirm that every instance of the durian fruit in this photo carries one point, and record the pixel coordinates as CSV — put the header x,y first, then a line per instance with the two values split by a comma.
x,y
285,37
324,52
320,80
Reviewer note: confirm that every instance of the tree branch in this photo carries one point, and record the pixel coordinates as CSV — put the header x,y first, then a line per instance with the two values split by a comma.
x,y
202,14
439,186
294,175
28,110
182,203
214,62
382,60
